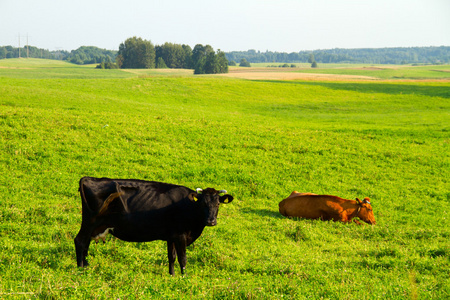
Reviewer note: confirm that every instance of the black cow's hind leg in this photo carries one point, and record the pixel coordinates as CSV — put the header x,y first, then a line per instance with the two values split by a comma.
x,y
82,241
171,253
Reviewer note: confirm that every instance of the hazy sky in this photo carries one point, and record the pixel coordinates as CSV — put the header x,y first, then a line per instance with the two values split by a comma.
x,y
274,25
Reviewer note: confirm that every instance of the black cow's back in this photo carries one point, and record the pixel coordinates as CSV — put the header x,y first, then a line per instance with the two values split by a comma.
x,y
135,195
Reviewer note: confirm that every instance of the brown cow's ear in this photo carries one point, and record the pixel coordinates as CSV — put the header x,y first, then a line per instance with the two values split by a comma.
x,y
226,199
193,197
358,201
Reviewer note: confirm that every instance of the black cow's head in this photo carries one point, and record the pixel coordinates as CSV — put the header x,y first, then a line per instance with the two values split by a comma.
x,y
209,200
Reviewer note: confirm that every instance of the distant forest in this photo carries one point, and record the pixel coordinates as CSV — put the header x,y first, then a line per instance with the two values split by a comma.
x,y
80,56
413,55
30,51
419,55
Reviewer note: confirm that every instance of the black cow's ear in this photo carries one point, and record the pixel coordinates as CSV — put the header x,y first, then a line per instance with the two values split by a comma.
x,y
226,199
193,197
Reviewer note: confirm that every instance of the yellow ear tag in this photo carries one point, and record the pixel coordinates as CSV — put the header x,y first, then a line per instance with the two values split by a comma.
x,y
195,198
225,201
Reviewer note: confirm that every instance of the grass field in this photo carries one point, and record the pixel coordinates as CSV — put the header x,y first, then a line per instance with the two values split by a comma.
x,y
259,140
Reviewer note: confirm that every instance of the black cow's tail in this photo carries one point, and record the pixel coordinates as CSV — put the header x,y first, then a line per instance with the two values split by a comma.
x,y
107,202
84,202
92,211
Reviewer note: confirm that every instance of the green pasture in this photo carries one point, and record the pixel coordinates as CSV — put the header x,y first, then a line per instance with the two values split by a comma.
x,y
259,140
383,72
34,68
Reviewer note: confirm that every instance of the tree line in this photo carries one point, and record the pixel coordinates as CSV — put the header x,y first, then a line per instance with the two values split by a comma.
x,y
27,51
205,59
412,55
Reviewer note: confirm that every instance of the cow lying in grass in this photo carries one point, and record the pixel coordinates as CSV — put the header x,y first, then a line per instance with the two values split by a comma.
x,y
325,207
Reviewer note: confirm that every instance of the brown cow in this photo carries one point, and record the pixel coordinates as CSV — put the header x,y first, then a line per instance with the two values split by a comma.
x,y
295,193
325,207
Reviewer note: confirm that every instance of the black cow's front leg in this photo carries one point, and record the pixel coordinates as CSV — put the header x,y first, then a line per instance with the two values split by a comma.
x,y
180,246
171,253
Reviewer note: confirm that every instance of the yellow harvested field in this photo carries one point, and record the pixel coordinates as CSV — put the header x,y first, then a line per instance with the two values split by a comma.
x,y
267,74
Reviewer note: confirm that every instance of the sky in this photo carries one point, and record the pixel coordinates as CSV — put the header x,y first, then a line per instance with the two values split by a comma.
x,y
228,25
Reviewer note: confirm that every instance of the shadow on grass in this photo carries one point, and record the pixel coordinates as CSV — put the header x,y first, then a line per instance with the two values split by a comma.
x,y
263,213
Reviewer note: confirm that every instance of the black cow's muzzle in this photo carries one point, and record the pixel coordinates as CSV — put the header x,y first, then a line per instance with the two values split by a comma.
x,y
212,223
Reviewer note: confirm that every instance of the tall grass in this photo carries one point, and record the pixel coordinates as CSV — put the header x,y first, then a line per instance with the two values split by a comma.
x,y
260,140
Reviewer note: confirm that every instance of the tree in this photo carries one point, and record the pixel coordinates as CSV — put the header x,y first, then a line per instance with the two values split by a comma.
x,y
87,55
160,64
210,66
187,57
199,55
206,61
119,60
137,54
244,63
173,54
3,52
200,52
200,66
311,58
222,62
314,64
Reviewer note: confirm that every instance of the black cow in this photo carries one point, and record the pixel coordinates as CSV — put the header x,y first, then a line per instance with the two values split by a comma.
x,y
141,211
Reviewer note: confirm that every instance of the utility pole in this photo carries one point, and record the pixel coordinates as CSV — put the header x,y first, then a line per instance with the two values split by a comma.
x,y
58,49
28,49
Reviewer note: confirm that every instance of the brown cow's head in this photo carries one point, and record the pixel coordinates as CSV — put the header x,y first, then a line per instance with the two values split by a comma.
x,y
209,200
366,212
